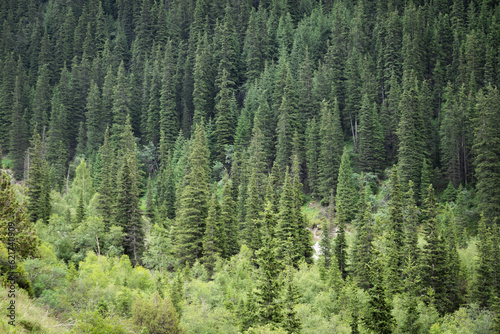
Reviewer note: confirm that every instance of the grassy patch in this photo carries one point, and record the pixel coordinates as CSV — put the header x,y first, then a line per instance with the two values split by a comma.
x,y
6,163
30,318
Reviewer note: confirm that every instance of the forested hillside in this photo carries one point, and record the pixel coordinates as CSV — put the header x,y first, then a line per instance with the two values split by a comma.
x,y
165,161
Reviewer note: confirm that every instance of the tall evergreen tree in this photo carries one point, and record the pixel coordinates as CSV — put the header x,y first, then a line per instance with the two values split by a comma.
x,y
371,140
435,275
214,236
224,123
331,144
39,204
193,207
126,210
487,152
410,144
168,114
106,195
228,218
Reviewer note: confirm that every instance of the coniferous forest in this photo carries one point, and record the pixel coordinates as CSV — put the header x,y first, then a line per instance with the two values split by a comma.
x,y
246,166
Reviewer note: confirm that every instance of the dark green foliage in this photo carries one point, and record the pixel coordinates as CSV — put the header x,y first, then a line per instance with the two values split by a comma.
x,y
126,210
379,318
228,218
363,242
39,205
371,139
193,207
487,162
269,308
434,257
224,123
345,198
330,152
409,132
106,196
214,237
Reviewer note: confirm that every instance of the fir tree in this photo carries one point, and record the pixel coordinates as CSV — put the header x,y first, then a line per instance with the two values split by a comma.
x,y
269,285
168,112
345,197
410,144
224,124
331,144
214,237
106,196
193,207
363,242
126,210
435,275
39,204
371,140
228,218
486,148
312,155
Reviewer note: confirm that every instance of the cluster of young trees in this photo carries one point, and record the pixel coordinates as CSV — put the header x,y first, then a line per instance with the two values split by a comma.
x,y
176,132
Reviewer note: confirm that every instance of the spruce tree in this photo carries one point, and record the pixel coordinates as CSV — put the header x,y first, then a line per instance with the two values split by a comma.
x,y
193,206
269,286
95,130
312,155
363,242
106,196
126,210
224,123
371,139
331,144
483,291
410,143
435,275
228,218
121,105
345,197
487,152
214,236
39,204
379,318
168,113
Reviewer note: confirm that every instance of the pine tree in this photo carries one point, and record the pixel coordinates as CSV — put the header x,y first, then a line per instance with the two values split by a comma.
x,y
214,237
121,104
287,219
126,210
228,218
224,123
486,148
379,318
345,197
331,144
95,130
363,242
168,113
203,80
193,207
312,155
371,140
269,285
41,100
396,234
106,195
434,271
483,286
39,204
425,179
18,129
80,211
291,323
